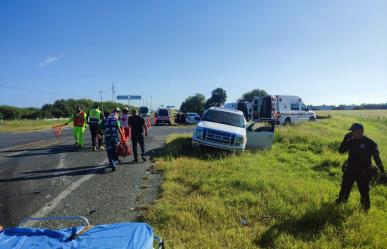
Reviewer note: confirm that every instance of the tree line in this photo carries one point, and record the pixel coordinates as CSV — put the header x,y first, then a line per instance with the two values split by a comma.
x,y
60,108
198,102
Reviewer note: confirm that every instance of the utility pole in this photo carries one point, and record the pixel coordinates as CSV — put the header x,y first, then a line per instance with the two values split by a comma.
x,y
113,92
100,95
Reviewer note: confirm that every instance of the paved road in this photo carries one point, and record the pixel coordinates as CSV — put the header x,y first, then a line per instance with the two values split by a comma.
x,y
41,175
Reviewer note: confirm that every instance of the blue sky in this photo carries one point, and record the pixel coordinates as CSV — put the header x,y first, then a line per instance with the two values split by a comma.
x,y
332,52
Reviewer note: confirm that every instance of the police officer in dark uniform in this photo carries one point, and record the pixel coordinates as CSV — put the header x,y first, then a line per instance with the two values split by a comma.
x,y
358,167
138,128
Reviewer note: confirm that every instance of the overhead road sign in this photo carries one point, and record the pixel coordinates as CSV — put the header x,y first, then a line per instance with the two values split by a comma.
x,y
135,97
126,97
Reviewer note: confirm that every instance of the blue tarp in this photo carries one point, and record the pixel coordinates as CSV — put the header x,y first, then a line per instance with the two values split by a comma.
x,y
118,236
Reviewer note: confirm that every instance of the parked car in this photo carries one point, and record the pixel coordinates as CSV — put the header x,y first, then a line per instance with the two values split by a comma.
x,y
226,128
180,118
163,116
192,118
284,109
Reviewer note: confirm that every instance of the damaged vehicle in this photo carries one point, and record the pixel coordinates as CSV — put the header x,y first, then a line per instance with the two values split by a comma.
x,y
227,129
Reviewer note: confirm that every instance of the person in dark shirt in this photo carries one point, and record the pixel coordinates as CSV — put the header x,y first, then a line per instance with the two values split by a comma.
x,y
137,126
361,150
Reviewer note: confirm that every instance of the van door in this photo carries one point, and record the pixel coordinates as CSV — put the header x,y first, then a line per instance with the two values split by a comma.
x,y
266,107
260,134
256,108
305,113
296,113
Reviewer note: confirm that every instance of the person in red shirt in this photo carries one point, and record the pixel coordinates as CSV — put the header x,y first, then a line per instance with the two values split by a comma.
x,y
123,118
79,126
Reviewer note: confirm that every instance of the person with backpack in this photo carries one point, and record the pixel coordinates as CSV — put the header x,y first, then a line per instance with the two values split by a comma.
x,y
111,128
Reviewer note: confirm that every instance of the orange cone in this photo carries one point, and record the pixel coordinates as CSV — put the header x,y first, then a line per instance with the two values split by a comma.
x,y
154,121
148,123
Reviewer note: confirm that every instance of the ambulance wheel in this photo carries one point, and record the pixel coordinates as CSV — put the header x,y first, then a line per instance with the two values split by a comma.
x,y
312,119
287,122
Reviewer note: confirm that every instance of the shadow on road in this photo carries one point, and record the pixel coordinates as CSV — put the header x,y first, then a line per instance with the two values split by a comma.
x,y
57,149
52,173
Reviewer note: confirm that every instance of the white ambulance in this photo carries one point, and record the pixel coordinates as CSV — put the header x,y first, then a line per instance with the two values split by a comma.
x,y
284,109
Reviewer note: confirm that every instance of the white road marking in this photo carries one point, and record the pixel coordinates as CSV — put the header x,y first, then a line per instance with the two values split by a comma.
x,y
49,207
60,166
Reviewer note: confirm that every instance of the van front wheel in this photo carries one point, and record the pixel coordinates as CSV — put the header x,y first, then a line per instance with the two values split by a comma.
x,y
312,119
287,122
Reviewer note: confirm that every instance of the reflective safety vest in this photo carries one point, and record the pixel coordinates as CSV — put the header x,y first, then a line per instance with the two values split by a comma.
x,y
79,119
94,116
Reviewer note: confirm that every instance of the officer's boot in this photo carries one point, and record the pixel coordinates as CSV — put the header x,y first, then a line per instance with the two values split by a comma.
x,y
343,197
365,202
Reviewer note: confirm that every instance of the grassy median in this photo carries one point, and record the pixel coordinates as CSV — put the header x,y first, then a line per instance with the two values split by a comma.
x,y
27,125
279,198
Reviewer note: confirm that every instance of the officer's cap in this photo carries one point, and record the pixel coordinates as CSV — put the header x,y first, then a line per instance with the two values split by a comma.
x,y
356,126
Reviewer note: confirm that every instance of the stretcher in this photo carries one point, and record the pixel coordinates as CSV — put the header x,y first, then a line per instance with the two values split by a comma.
x,y
131,235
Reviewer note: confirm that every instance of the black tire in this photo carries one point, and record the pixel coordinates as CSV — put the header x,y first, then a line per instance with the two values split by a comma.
x,y
169,123
312,119
157,123
287,122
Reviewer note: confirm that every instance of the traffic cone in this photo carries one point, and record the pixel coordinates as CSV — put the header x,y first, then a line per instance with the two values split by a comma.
x,y
154,121
148,123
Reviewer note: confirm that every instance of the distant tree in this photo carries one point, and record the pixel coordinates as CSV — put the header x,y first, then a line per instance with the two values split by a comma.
x,y
31,113
249,96
11,112
218,98
46,110
194,103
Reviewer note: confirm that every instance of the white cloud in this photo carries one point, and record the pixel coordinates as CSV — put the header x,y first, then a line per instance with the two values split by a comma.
x,y
50,60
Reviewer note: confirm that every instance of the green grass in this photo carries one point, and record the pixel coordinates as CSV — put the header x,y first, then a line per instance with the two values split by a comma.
x,y
27,125
285,194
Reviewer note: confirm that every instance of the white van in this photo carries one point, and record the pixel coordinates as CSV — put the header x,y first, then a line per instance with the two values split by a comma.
x,y
163,116
284,109
226,128
243,106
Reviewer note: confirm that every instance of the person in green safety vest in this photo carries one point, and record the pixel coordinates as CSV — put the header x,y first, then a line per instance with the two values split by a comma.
x,y
94,118
79,126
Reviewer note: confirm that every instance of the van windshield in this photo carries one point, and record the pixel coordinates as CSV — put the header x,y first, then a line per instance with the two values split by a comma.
x,y
163,113
143,109
226,118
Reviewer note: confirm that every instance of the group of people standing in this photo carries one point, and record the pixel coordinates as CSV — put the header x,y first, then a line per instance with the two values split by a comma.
x,y
115,126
